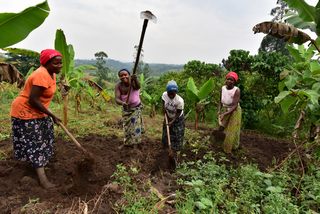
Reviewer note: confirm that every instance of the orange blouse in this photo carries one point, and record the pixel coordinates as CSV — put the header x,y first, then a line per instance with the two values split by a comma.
x,y
20,107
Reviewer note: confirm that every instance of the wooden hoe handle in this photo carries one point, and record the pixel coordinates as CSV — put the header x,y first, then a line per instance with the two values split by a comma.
x,y
72,137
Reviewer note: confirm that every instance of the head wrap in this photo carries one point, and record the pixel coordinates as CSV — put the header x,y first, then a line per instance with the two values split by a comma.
x,y
233,74
48,54
124,69
172,86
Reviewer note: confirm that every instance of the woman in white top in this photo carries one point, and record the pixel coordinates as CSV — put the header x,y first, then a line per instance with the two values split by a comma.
x,y
230,112
173,106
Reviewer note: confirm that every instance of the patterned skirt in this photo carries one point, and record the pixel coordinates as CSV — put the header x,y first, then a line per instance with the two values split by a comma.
x,y
33,140
132,125
176,134
232,124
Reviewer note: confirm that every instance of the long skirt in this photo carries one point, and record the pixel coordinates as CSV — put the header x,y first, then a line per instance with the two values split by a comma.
x,y
232,126
176,134
33,140
132,125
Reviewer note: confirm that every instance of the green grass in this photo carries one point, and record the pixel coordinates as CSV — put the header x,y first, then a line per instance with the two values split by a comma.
x,y
100,119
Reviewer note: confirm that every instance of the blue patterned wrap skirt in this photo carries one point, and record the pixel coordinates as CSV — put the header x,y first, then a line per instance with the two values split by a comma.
x,y
33,140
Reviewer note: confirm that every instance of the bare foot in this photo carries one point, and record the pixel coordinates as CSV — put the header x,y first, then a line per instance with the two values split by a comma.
x,y
48,185
45,183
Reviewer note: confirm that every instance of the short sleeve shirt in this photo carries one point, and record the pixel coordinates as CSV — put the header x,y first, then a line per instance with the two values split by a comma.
x,y
172,105
20,107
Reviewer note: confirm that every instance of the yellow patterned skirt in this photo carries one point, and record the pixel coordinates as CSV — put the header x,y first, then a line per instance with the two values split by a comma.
x,y
232,126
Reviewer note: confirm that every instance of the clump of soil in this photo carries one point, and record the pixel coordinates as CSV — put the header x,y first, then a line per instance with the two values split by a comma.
x,y
77,179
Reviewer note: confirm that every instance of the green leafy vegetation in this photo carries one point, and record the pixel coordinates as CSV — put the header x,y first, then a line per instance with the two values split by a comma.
x,y
209,187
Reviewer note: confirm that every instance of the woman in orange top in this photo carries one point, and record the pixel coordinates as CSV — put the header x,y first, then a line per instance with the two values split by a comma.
x,y
32,122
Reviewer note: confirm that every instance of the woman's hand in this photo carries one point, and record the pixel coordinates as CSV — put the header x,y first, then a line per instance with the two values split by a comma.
x,y
221,116
125,105
171,122
134,77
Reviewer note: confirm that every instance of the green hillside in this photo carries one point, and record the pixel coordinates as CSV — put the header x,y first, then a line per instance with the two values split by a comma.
x,y
156,68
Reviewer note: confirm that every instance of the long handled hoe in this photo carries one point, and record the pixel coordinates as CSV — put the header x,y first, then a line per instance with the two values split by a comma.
x,y
146,16
74,140
172,160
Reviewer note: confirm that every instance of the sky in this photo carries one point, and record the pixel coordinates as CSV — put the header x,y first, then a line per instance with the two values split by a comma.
x,y
186,30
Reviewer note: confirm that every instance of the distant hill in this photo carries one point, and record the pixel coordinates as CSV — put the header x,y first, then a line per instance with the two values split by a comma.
x,y
156,68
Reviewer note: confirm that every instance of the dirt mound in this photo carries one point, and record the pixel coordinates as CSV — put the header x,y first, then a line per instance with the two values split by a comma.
x,y
78,181
254,148
68,169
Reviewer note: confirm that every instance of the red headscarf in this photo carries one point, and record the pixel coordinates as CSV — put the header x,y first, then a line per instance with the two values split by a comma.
x,y
48,54
233,74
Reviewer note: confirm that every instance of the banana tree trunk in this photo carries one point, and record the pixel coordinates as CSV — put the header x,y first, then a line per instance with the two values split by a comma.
x,y
153,111
197,118
78,103
65,110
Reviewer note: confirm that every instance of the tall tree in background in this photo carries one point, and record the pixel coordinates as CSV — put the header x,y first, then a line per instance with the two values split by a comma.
x,y
102,69
200,71
142,67
238,60
270,43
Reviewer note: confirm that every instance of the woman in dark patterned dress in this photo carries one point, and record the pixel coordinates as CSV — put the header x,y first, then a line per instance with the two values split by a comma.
x,y
32,121
173,106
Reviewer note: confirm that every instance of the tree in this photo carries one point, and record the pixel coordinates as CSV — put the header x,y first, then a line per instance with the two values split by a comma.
x,y
270,43
102,69
146,70
142,68
238,60
300,87
269,65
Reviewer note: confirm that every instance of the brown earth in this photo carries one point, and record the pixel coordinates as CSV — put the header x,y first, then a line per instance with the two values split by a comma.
x,y
91,183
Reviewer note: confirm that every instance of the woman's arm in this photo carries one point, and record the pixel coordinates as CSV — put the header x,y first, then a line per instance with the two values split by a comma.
x,y
220,103
34,101
178,113
135,82
117,94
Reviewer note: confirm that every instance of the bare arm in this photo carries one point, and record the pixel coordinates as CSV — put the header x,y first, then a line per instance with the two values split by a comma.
x,y
220,103
178,113
34,101
117,95
135,82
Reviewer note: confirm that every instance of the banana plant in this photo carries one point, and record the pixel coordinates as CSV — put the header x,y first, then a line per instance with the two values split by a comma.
x,y
151,100
300,86
15,27
71,76
199,97
304,16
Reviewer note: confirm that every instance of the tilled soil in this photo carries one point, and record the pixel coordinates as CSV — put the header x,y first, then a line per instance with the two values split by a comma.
x,y
78,180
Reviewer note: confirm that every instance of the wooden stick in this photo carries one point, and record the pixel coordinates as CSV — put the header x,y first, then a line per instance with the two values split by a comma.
x,y
168,136
72,137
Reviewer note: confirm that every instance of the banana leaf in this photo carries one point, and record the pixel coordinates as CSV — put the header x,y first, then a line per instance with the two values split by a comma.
x,y
60,44
15,27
